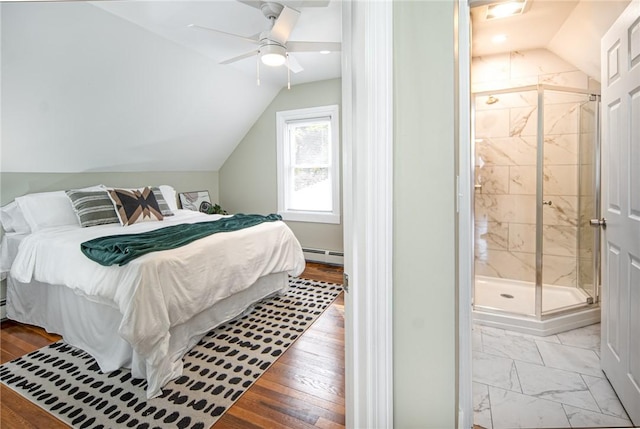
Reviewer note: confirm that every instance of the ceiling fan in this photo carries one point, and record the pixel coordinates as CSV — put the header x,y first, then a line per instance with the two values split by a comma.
x,y
274,45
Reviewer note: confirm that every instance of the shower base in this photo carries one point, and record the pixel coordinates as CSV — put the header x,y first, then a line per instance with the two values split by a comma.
x,y
510,304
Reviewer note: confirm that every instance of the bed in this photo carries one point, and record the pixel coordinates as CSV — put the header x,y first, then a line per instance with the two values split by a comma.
x,y
146,314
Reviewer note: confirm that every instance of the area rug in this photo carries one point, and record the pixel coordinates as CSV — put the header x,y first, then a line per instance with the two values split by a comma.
x,y
67,382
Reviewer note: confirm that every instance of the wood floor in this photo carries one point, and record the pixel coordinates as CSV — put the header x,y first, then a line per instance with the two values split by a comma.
x,y
304,388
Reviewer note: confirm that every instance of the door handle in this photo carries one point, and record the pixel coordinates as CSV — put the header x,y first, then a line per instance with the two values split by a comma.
x,y
598,222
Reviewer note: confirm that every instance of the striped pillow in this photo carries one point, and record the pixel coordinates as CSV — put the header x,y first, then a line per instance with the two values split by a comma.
x,y
93,207
162,203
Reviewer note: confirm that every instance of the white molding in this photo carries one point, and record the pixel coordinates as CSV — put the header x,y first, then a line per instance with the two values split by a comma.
x,y
367,48
304,216
332,113
465,217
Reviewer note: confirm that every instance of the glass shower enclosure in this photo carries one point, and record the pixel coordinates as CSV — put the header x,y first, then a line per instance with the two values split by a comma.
x,y
536,169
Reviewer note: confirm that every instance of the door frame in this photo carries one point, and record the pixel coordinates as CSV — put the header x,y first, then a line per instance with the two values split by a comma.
x,y
465,229
367,148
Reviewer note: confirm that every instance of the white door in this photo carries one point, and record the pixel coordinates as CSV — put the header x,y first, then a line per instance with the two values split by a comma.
x,y
620,355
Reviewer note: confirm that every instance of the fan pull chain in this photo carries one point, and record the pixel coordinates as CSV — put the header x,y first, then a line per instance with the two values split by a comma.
x,y
258,67
288,73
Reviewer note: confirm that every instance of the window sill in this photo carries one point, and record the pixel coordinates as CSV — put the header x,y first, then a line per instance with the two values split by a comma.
x,y
315,217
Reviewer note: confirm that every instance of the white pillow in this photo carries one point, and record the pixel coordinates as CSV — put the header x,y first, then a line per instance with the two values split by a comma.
x,y
169,195
49,209
13,220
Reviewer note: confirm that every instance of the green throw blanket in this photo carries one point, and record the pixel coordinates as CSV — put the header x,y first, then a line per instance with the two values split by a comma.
x,y
121,249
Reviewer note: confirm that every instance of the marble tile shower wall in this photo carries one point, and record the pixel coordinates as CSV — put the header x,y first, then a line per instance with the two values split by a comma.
x,y
505,202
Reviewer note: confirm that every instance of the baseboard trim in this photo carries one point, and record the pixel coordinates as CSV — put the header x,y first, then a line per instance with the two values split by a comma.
x,y
323,256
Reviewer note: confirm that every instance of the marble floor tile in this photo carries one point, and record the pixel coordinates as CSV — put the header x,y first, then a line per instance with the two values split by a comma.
x,y
548,338
605,396
495,371
490,330
580,418
567,390
586,338
509,334
517,348
555,385
570,358
515,410
476,337
481,406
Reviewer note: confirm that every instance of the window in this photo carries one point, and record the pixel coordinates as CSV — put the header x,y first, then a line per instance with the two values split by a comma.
x,y
308,164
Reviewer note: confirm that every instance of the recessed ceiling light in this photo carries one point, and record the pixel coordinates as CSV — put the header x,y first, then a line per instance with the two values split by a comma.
x,y
504,9
499,38
325,52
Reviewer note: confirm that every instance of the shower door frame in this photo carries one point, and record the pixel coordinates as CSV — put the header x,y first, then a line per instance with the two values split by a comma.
x,y
540,89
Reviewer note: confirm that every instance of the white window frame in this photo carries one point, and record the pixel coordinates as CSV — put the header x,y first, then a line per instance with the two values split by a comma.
x,y
283,161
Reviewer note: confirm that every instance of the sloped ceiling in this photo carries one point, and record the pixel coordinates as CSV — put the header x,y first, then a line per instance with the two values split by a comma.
x,y
127,86
571,29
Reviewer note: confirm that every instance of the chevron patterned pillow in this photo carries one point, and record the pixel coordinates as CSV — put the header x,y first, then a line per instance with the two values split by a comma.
x,y
133,206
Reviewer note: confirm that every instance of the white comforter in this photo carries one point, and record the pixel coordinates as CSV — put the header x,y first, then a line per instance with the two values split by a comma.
x,y
162,289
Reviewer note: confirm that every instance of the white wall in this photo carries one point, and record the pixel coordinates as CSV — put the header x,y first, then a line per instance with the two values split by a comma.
x,y
424,299
84,90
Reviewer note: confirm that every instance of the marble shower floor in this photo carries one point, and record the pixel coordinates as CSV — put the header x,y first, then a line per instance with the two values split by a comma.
x,y
525,381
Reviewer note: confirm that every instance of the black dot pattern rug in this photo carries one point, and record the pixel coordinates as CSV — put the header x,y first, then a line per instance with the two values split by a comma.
x,y
67,382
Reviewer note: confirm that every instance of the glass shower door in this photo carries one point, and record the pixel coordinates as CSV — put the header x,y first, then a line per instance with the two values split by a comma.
x,y
588,200
566,201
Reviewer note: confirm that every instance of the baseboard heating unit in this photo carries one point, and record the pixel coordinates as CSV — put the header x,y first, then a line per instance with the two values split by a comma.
x,y
324,256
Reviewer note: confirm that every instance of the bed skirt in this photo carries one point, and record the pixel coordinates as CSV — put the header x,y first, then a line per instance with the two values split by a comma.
x,y
93,326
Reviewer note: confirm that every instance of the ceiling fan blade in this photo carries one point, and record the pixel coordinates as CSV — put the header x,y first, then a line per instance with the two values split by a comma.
x,y
237,36
240,57
284,24
293,64
313,46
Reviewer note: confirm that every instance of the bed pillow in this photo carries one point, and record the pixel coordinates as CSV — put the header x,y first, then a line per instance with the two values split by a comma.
x,y
162,202
47,209
133,206
92,207
170,196
13,220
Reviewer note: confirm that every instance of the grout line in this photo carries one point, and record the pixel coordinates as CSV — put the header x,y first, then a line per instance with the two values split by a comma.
x,y
513,363
490,408
566,414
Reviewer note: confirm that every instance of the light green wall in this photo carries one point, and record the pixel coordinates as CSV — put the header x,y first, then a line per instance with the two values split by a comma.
x,y
248,176
424,316
16,184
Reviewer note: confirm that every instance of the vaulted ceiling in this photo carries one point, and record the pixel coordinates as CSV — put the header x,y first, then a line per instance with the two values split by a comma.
x,y
128,86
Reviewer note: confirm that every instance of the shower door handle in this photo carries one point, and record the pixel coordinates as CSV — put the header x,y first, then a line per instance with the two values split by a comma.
x,y
598,222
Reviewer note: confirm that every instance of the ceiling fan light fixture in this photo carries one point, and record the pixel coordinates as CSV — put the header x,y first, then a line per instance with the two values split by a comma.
x,y
273,55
